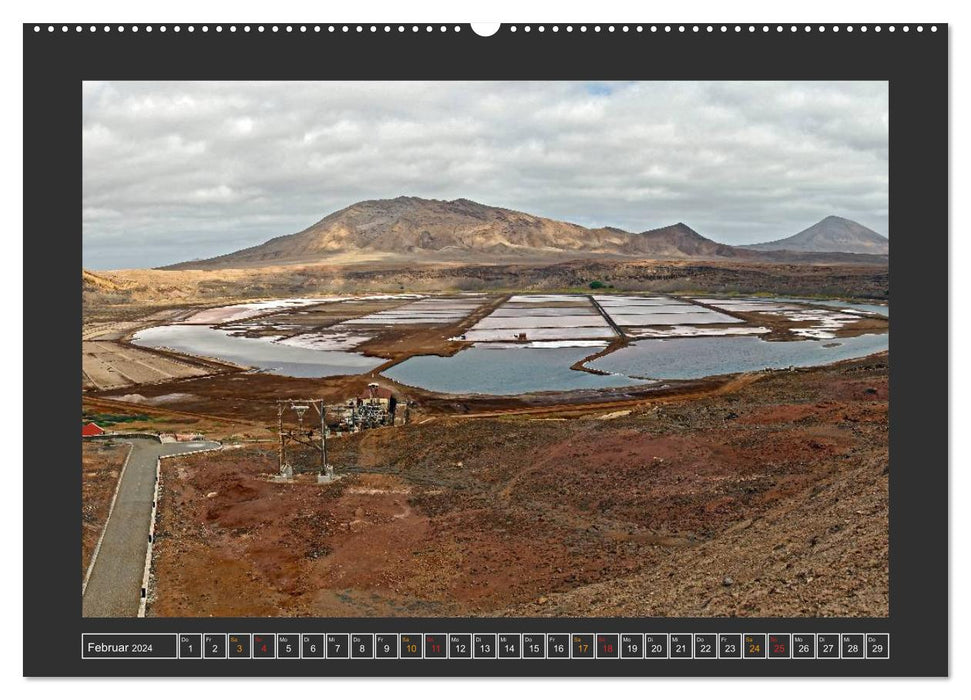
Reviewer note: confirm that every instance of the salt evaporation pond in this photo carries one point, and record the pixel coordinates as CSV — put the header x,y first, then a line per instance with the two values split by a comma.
x,y
883,310
880,309
510,371
262,353
503,371
694,358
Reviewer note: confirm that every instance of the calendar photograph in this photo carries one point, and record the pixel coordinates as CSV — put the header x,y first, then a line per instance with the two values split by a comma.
x,y
485,349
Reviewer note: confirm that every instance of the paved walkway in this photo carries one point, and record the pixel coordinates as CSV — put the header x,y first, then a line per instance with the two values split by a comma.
x,y
114,586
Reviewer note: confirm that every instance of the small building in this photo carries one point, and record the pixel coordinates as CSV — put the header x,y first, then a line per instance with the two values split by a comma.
x,y
371,408
376,395
375,406
91,430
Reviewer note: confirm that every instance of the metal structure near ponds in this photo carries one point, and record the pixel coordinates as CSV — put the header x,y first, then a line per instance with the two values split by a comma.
x,y
373,409
312,436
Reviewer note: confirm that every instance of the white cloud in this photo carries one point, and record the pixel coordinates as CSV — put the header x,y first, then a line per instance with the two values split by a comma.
x,y
193,169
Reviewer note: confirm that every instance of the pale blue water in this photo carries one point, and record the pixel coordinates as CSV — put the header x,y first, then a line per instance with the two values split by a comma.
x,y
694,358
503,371
510,371
273,357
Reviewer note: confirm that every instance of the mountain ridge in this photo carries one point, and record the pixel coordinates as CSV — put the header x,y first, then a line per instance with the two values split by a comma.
x,y
410,228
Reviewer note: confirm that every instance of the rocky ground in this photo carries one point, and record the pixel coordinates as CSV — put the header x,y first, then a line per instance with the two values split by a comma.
x,y
123,294
767,500
101,464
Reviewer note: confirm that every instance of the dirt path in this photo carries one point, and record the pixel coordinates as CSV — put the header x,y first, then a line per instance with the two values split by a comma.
x,y
607,317
114,585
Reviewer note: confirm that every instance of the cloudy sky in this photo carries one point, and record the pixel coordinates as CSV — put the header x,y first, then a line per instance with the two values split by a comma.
x,y
183,170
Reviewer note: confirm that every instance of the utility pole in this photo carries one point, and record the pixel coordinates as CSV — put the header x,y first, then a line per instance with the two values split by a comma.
x,y
299,407
283,449
322,410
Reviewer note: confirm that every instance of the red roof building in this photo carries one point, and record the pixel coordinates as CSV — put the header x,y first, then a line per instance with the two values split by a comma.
x,y
380,392
91,430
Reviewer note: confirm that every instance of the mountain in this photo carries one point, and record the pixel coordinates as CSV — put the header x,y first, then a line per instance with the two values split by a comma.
x,y
411,228
834,234
680,240
415,230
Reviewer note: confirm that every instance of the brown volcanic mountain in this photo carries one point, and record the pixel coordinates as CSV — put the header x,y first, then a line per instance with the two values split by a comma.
x,y
411,228
414,230
834,234
680,241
